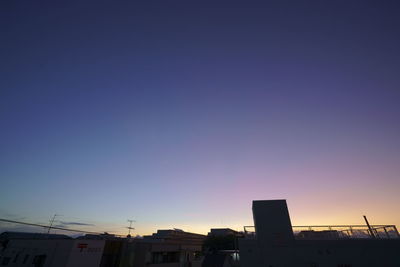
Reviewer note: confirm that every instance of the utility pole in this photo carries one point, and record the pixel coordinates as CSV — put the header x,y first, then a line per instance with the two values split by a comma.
x,y
130,227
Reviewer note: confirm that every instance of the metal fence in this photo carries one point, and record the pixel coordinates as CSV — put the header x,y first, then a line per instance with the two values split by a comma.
x,y
328,232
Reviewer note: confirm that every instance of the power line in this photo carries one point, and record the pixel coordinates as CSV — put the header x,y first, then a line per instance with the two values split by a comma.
x,y
52,227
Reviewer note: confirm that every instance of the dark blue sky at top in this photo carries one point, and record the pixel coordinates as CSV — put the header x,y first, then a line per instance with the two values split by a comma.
x,y
108,95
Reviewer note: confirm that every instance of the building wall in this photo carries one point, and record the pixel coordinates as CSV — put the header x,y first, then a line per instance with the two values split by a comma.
x,y
354,253
90,256
326,253
54,253
249,252
144,253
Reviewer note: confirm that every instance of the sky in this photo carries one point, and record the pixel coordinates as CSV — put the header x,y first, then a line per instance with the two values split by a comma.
x,y
178,114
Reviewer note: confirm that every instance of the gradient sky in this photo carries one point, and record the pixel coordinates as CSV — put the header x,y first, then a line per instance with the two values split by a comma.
x,y
180,114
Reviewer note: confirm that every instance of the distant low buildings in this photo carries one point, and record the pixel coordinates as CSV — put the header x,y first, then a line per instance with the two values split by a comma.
x,y
223,232
166,248
170,248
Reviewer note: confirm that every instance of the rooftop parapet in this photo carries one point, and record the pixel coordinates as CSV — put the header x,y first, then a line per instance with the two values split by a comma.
x,y
331,232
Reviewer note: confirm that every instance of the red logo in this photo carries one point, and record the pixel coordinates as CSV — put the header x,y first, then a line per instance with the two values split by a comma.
x,y
82,246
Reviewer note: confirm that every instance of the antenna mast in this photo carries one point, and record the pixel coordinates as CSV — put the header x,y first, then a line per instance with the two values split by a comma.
x,y
130,227
51,222
369,227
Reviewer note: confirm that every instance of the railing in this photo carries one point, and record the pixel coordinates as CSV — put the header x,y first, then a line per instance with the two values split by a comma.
x,y
321,232
345,232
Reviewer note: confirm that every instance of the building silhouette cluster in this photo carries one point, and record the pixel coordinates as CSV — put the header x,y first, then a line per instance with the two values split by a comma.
x,y
271,242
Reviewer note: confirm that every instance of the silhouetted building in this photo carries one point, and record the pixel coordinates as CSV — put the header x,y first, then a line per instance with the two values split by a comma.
x,y
42,250
170,248
222,232
274,242
220,248
176,236
222,258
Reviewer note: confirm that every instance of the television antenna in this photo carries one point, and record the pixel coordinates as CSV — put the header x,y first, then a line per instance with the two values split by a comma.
x,y
130,227
51,222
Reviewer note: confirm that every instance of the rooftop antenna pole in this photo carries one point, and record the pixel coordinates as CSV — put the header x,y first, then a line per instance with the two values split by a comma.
x,y
51,223
369,227
130,227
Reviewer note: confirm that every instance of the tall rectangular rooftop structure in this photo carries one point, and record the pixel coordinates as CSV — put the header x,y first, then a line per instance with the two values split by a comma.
x,y
272,222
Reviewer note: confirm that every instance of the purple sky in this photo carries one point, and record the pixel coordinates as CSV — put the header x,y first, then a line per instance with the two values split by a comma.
x,y
180,114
